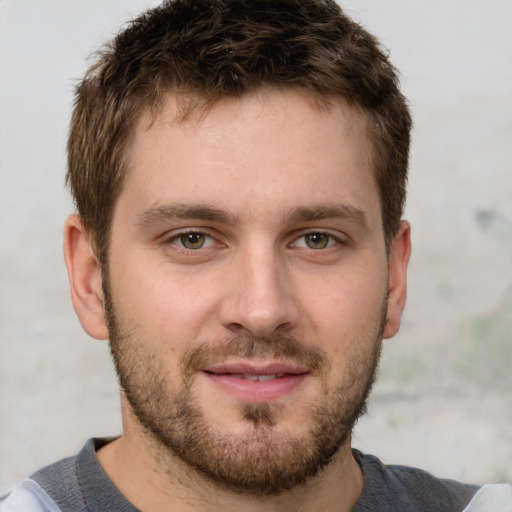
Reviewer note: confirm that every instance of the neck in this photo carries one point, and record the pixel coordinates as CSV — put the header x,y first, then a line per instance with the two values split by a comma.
x,y
152,482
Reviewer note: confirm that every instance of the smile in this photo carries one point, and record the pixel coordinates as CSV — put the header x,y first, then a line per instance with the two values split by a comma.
x,y
256,384
261,378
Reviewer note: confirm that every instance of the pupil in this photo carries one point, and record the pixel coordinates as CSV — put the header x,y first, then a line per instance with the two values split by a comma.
x,y
193,240
317,241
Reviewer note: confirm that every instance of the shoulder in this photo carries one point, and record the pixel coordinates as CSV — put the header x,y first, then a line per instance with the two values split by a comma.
x,y
79,484
53,488
492,498
60,480
401,488
29,497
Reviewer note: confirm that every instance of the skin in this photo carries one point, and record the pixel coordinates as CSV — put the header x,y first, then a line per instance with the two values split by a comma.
x,y
262,161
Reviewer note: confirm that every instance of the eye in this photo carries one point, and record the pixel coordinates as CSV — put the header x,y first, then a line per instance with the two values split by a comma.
x,y
194,240
316,240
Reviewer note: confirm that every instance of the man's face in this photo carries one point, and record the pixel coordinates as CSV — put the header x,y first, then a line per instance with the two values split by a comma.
x,y
247,286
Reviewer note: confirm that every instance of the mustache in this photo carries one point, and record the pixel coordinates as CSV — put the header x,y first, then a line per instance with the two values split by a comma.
x,y
286,348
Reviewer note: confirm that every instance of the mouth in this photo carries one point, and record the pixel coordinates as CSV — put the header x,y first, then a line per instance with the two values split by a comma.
x,y
260,378
257,383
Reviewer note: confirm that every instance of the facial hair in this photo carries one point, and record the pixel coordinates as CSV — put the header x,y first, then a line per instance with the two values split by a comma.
x,y
264,460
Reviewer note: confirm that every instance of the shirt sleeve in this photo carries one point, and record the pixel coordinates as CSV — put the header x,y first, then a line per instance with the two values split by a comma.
x,y
27,496
492,498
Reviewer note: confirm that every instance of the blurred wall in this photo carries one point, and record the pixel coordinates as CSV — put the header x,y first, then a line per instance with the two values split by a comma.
x,y
444,399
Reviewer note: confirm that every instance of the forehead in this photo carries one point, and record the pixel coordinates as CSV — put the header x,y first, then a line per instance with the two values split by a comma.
x,y
271,149
194,117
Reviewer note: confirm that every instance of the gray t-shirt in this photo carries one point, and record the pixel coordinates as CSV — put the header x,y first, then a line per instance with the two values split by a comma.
x,y
79,484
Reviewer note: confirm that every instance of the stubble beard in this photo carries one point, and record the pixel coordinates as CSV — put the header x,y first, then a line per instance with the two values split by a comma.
x,y
264,460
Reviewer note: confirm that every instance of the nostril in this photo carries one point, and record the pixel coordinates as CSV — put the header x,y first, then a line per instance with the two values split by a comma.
x,y
237,328
258,332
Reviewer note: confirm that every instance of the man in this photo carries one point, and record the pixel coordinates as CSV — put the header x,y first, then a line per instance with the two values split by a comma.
x,y
239,174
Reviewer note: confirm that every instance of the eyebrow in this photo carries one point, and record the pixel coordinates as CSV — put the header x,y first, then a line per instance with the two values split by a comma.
x,y
176,211
322,212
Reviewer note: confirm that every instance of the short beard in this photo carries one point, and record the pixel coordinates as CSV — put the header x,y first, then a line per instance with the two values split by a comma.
x,y
262,461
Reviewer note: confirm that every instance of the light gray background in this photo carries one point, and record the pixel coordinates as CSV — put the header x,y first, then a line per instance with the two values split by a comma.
x,y
444,400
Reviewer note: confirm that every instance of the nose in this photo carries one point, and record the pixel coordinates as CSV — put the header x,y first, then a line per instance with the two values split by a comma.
x,y
259,299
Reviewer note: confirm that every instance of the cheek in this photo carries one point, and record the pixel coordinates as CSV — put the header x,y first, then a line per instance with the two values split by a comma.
x,y
166,305
346,310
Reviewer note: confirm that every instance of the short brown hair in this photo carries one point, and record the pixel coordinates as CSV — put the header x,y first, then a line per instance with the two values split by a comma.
x,y
212,49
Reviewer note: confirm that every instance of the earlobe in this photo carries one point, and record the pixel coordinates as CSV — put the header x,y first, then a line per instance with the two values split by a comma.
x,y
400,252
84,275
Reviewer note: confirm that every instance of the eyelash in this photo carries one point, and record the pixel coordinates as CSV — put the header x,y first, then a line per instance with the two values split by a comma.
x,y
175,239
332,240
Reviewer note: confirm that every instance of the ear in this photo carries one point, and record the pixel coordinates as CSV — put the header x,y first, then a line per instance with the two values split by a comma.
x,y
400,252
84,275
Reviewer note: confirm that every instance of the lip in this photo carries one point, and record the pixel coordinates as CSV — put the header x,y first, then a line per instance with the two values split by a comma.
x,y
228,377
